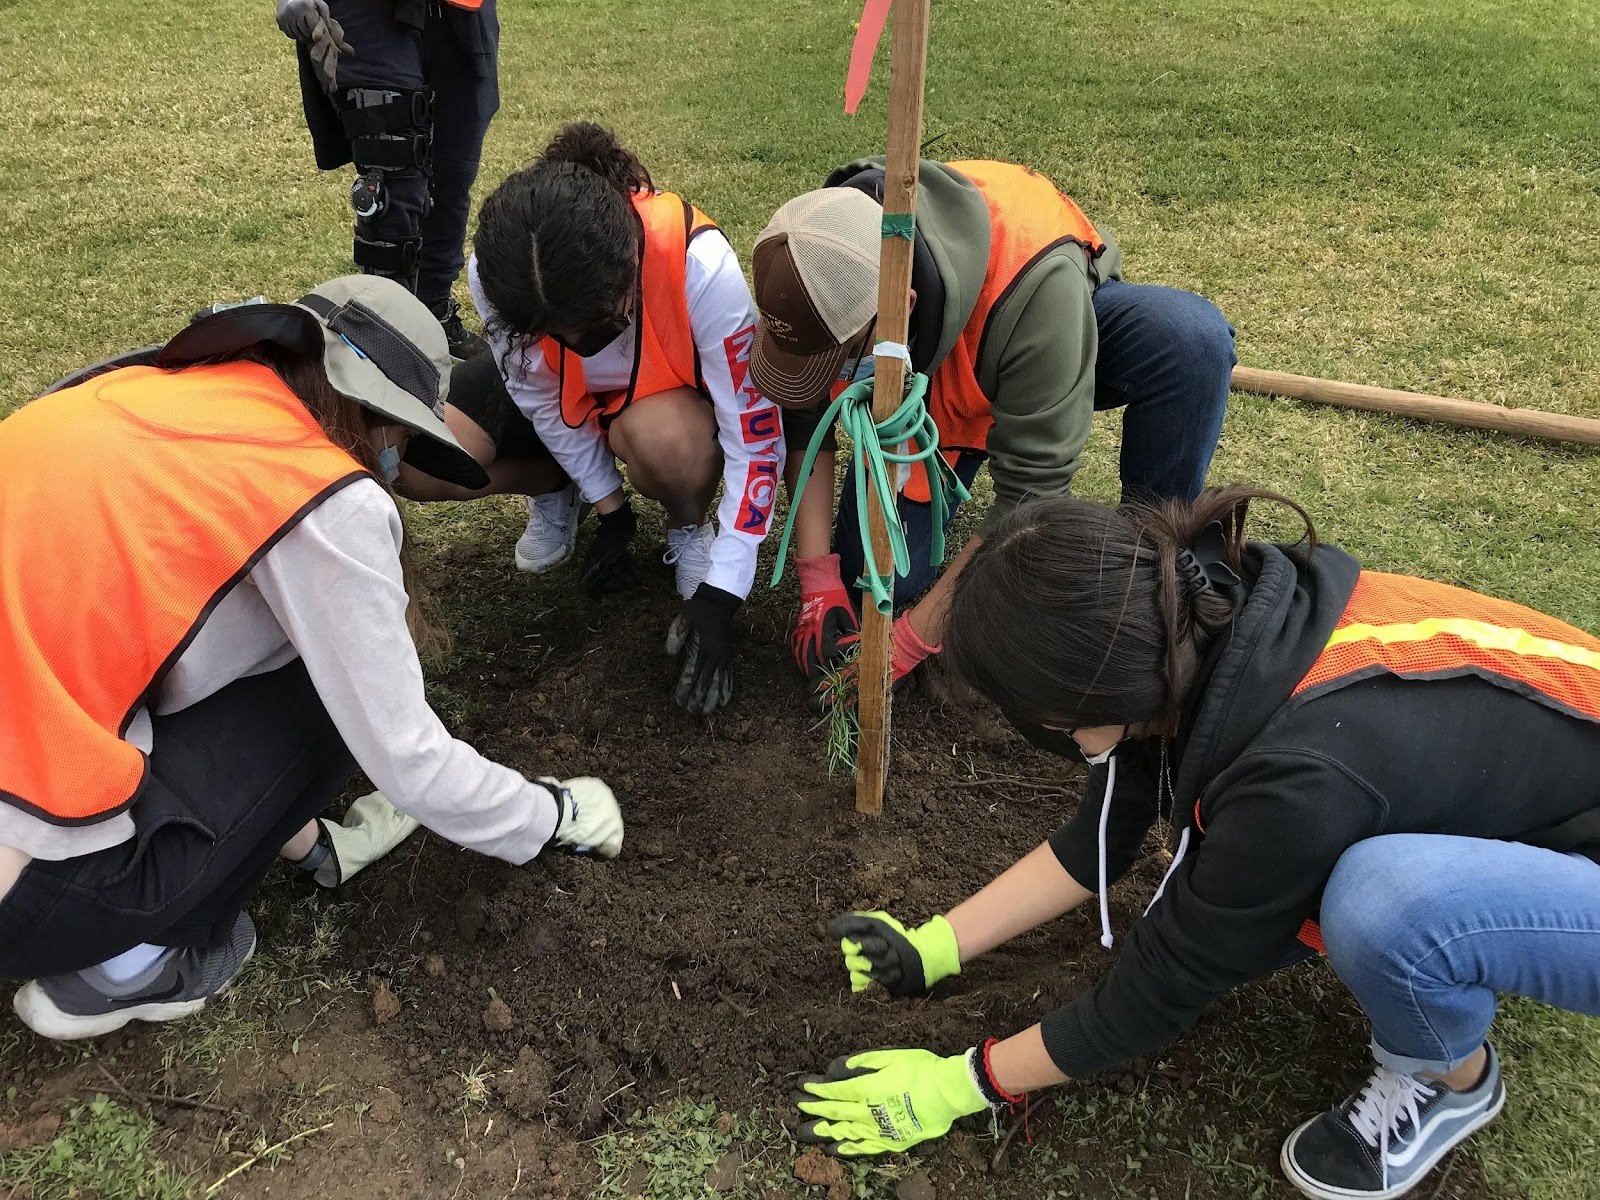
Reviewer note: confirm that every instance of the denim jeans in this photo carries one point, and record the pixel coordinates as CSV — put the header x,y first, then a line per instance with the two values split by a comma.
x,y
917,520
1425,929
1165,358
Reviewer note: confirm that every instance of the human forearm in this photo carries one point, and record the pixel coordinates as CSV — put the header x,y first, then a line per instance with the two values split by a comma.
x,y
928,616
813,519
12,863
1021,1063
1037,889
752,465
581,452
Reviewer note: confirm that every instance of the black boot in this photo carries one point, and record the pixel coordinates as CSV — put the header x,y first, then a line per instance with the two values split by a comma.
x,y
464,344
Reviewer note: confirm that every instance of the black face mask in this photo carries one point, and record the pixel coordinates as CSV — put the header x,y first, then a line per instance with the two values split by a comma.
x,y
1051,741
596,338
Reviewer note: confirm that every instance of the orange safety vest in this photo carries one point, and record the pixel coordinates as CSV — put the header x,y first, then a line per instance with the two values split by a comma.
x,y
1418,629
664,356
1028,218
129,506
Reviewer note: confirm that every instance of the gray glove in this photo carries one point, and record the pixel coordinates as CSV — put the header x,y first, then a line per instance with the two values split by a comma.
x,y
371,829
588,820
308,21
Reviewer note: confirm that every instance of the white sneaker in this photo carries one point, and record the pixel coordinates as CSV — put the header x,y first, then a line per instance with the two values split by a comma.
x,y
552,532
689,554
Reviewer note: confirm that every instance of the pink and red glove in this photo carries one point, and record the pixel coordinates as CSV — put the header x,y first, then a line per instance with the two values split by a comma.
x,y
909,648
826,629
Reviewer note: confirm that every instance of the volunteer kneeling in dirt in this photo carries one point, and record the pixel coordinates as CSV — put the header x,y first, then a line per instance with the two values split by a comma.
x,y
1410,765
1024,327
203,633
621,324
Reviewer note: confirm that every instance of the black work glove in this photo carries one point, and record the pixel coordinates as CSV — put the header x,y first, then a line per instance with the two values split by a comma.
x,y
609,566
704,634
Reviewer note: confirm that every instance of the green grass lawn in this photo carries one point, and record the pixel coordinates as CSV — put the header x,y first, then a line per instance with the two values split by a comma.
x,y
1398,192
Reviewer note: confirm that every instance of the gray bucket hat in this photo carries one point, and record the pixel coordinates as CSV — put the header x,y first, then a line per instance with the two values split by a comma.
x,y
379,345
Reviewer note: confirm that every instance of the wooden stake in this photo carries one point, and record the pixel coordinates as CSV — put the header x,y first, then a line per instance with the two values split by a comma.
x,y
1527,422
908,66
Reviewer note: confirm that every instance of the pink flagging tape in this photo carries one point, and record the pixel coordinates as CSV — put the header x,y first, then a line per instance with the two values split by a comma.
x,y
868,34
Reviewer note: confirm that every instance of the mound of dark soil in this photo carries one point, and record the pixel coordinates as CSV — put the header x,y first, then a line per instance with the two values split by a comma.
x,y
698,962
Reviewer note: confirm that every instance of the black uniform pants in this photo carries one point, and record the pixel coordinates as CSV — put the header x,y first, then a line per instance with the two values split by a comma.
x,y
391,54
231,779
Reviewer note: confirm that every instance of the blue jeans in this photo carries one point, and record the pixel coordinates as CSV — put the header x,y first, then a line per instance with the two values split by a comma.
x,y
1425,929
1165,357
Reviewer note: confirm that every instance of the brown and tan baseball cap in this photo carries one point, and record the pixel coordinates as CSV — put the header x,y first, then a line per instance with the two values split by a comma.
x,y
816,290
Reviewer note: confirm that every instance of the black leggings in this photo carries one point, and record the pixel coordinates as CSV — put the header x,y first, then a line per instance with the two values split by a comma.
x,y
477,389
231,779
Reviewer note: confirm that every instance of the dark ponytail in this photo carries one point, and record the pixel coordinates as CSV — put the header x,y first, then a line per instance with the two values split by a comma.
x,y
1073,614
595,147
558,242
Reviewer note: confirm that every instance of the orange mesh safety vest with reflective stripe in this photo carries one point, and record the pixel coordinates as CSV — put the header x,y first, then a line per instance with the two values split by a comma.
x,y
1418,629
1028,218
665,356
129,506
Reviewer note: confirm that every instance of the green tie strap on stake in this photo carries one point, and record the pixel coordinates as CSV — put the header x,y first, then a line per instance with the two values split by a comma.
x,y
875,446
900,225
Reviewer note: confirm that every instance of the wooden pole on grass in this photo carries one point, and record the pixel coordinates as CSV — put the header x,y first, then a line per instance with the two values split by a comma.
x,y
1527,422
908,66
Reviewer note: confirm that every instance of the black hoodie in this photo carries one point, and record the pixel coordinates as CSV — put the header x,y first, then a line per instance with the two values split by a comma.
x,y
1284,787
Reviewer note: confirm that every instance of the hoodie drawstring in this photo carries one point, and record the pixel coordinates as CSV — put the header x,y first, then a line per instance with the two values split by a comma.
x,y
1183,847
1109,758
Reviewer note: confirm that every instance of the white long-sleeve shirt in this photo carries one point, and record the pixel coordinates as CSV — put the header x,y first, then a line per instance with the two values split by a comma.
x,y
331,593
749,429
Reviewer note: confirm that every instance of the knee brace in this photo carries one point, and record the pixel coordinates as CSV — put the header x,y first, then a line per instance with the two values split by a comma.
x,y
391,138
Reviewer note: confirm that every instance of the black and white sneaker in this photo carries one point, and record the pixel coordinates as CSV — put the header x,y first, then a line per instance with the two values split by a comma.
x,y
84,1004
464,344
1390,1133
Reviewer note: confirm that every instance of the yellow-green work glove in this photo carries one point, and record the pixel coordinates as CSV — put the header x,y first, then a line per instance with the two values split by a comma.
x,y
906,961
888,1100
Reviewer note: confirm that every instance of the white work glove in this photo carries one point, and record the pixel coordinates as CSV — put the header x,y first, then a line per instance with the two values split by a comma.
x,y
308,21
371,829
588,820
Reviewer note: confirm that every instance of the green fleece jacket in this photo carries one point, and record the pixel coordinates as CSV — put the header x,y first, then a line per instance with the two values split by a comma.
x,y
1038,360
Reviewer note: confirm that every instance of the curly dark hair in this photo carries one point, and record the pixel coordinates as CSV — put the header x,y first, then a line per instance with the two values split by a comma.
x,y
558,241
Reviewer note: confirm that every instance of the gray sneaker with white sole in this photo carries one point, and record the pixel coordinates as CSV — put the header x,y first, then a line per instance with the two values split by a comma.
x,y
84,1004
1393,1130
